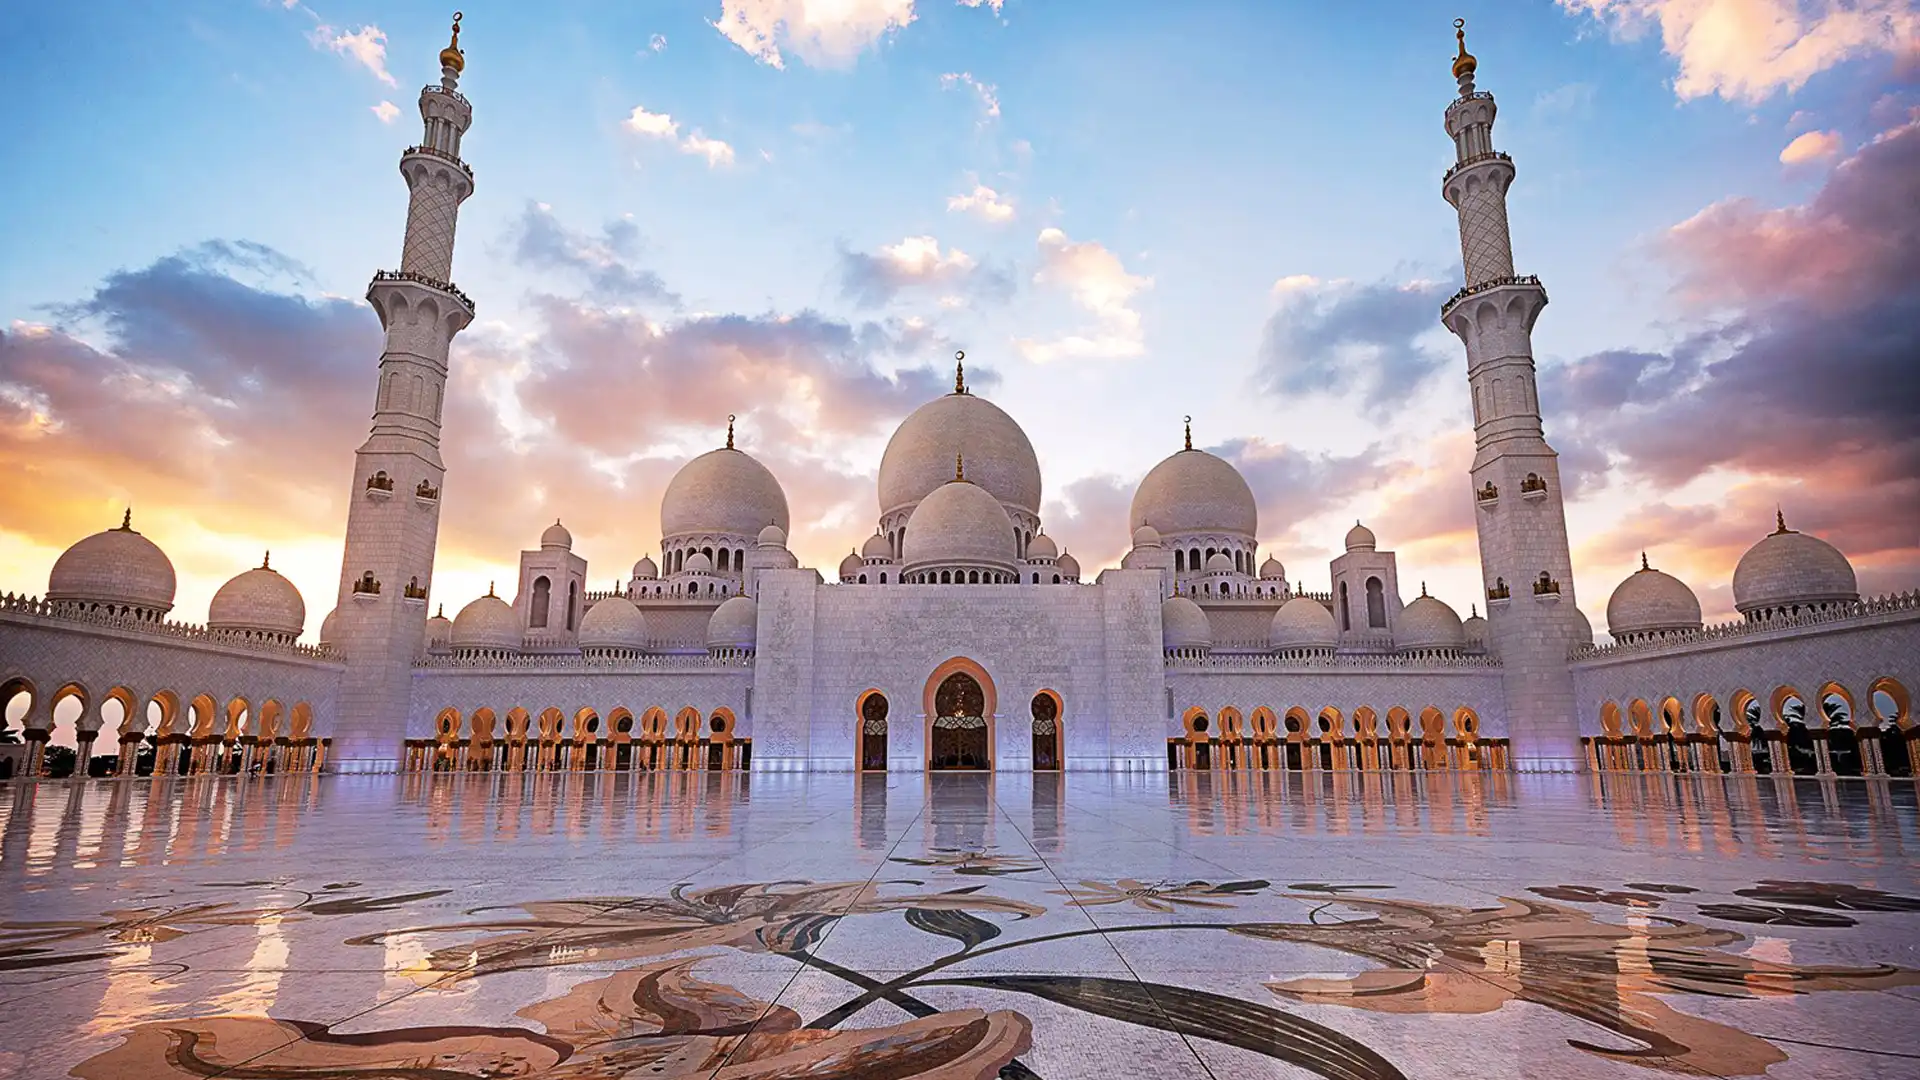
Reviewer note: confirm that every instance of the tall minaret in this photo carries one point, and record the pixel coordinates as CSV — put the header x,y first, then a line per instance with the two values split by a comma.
x,y
1516,475
393,516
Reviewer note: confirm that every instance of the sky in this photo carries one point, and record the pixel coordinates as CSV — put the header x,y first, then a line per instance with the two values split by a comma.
x,y
1125,212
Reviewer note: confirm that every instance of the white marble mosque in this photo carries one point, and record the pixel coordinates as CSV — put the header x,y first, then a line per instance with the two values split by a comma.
x,y
958,635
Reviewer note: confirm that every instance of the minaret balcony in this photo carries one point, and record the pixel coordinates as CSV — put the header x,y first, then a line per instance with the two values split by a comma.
x,y
436,152
1533,488
426,494
1491,155
1488,497
383,276
1516,281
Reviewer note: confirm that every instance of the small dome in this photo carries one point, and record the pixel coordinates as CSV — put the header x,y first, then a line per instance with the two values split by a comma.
x,y
439,631
1068,566
1146,536
919,458
1195,492
1219,562
1042,547
1787,569
259,600
1271,570
330,628
725,492
698,563
877,547
960,524
1650,601
1475,628
734,624
556,537
772,536
1302,623
118,566
645,570
852,565
1582,629
487,623
1428,623
613,623
1183,625
1360,538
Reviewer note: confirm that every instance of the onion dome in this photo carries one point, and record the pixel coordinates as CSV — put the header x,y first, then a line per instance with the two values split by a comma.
x,y
330,628
919,458
1464,63
1788,570
877,548
722,492
1271,570
487,623
1219,563
117,567
1651,601
258,601
734,624
1302,623
852,566
1582,629
1428,623
613,623
439,632
1360,538
556,537
1146,536
645,570
1068,566
772,536
960,526
452,57
1042,547
1475,628
1184,626
698,563
1195,492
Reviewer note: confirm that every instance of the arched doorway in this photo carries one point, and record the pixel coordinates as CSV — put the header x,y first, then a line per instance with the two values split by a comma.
x,y
961,739
873,732
1046,731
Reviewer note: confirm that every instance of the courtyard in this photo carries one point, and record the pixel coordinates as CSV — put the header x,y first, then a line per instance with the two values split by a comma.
x,y
956,925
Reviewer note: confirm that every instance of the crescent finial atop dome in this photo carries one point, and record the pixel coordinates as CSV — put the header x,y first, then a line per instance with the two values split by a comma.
x,y
1464,63
451,56
960,371
729,431
126,520
1780,521
1189,445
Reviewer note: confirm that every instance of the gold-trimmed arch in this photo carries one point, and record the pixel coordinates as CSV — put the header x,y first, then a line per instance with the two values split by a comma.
x,y
969,666
1610,719
131,721
70,691
1196,723
201,712
1902,701
1640,718
300,726
1705,708
1737,708
1833,688
1777,704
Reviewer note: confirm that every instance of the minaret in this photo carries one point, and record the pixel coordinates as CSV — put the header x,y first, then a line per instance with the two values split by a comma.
x,y
393,516
1516,475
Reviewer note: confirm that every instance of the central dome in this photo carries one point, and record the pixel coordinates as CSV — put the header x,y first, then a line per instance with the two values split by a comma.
x,y
919,457
960,525
722,491
1195,492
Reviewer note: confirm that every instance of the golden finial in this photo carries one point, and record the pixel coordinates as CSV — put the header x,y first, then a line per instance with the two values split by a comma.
x,y
451,56
442,613
1643,561
729,431
959,371
1463,64
489,588
126,520
266,561
1780,521
1423,588
1189,432
960,467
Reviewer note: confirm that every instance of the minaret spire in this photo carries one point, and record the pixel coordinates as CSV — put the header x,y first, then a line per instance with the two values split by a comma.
x,y
960,372
1189,422
729,431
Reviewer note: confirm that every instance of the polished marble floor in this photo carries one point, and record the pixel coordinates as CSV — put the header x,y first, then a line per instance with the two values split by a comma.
x,y
960,926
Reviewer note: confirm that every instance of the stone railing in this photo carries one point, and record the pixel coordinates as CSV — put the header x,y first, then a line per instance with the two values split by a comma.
x,y
575,662
436,152
436,88
447,287
34,607
1893,603
1486,286
1491,155
1336,662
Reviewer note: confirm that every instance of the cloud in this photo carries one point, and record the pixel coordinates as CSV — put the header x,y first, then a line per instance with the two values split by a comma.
x,y
386,111
1746,50
822,33
1812,146
654,125
1088,517
987,92
982,202
658,43
366,46
606,262
992,5
914,262
1097,281
1340,336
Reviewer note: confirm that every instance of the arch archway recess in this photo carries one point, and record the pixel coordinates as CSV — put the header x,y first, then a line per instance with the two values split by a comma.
x,y
958,736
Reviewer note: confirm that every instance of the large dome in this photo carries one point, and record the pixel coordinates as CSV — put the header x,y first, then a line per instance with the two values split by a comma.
x,y
919,457
487,623
734,624
1183,625
722,491
1195,492
1302,623
259,600
1428,623
1788,569
613,623
959,525
117,567
1650,601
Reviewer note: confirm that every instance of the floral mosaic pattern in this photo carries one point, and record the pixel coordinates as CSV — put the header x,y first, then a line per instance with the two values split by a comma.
x,y
1161,896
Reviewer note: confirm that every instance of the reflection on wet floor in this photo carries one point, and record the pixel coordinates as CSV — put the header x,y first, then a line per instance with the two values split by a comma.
x,y
1364,927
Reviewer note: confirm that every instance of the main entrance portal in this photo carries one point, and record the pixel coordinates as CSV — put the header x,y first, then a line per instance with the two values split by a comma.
x,y
959,725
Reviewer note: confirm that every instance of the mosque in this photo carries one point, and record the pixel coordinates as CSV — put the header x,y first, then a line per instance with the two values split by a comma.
x,y
958,635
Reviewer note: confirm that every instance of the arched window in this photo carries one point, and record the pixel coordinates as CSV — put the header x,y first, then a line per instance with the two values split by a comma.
x,y
973,578
1019,544
946,577
542,596
573,603
1179,561
1210,553
1056,579
724,556
1376,604
863,579
1036,577
1346,616
708,552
